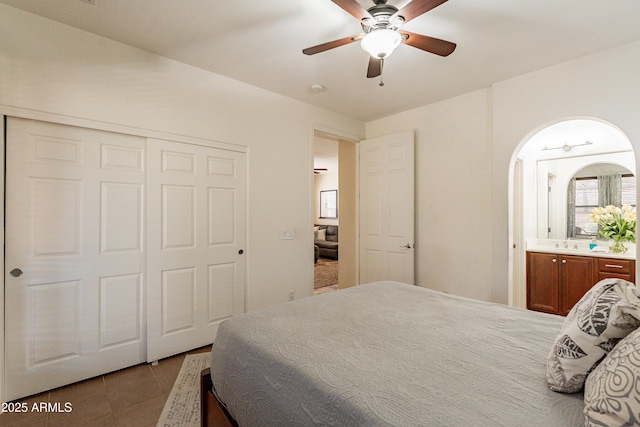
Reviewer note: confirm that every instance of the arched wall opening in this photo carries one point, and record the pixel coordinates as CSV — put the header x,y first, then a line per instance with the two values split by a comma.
x,y
541,167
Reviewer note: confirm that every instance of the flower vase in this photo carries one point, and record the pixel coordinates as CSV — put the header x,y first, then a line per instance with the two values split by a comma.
x,y
618,247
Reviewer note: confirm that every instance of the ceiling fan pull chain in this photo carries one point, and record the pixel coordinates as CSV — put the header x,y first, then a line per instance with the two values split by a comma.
x,y
381,68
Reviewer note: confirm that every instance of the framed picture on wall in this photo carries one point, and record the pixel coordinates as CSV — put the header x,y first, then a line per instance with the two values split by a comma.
x,y
329,204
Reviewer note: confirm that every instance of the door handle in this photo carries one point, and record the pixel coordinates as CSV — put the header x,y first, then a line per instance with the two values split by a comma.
x,y
407,246
16,272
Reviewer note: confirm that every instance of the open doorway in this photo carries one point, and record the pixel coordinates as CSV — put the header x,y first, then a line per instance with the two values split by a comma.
x,y
326,223
543,167
334,220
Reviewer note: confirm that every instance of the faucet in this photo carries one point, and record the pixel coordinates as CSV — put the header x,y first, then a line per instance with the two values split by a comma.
x,y
565,244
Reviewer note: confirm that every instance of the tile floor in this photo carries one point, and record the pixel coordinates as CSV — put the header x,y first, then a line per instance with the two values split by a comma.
x,y
130,397
325,289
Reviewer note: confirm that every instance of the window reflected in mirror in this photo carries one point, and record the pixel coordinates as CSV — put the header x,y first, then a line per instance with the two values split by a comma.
x,y
593,186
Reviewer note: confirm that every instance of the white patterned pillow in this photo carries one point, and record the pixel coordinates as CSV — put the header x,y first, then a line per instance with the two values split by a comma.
x,y
604,315
612,390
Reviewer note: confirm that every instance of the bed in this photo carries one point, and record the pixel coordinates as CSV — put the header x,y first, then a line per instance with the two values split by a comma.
x,y
386,353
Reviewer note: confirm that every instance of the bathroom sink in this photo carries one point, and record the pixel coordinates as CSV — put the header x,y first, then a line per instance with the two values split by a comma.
x,y
577,248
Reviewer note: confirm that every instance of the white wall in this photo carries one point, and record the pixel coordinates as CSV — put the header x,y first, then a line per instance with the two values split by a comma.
x,y
55,71
465,149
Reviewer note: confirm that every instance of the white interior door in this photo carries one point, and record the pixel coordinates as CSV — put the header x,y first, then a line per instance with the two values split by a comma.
x,y
196,237
387,208
74,255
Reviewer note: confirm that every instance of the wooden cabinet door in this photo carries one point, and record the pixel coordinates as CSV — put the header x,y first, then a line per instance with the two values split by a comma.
x,y
577,277
543,293
555,283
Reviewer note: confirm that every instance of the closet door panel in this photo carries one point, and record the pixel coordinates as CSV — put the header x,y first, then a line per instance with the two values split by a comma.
x,y
178,300
74,241
222,280
121,217
222,216
196,223
120,309
178,217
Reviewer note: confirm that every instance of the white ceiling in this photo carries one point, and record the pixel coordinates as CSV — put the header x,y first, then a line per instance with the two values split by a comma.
x,y
260,43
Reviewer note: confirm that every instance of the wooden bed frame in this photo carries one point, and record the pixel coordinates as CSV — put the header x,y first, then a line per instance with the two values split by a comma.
x,y
212,412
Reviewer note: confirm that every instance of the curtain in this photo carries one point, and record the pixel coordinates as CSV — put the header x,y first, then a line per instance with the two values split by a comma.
x,y
571,208
610,190
609,193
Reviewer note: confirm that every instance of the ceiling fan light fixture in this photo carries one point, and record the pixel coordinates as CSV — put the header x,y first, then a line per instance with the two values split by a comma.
x,y
380,43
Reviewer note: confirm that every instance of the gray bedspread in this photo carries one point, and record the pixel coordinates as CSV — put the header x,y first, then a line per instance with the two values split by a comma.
x,y
390,354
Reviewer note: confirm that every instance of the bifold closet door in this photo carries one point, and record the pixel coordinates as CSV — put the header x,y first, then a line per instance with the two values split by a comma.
x,y
196,236
75,258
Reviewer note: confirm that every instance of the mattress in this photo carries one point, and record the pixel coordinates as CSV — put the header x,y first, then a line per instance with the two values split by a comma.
x,y
390,354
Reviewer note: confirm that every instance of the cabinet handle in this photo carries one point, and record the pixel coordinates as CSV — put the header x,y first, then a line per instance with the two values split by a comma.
x,y
564,261
613,266
555,260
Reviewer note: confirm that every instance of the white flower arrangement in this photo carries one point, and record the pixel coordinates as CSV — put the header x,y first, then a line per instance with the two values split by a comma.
x,y
617,224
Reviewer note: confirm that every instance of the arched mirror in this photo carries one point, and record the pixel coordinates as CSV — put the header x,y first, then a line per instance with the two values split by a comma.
x,y
599,184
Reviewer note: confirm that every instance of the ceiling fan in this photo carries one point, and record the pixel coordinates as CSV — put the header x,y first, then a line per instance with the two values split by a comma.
x,y
381,25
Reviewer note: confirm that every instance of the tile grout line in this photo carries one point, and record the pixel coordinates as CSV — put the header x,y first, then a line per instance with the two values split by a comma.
x,y
104,383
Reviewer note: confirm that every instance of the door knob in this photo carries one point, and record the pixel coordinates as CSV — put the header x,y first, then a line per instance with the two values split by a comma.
x,y
16,272
407,246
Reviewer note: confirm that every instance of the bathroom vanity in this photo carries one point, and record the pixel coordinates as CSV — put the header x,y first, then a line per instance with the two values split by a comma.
x,y
558,277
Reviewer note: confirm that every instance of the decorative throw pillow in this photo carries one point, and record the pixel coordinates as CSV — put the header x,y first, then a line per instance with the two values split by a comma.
x,y
612,390
322,234
604,315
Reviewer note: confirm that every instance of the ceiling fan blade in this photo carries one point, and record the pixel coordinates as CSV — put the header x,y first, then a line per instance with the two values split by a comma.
x,y
429,44
416,8
332,44
375,67
353,8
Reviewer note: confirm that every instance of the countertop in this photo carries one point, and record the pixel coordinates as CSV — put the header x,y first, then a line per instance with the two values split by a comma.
x,y
583,249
